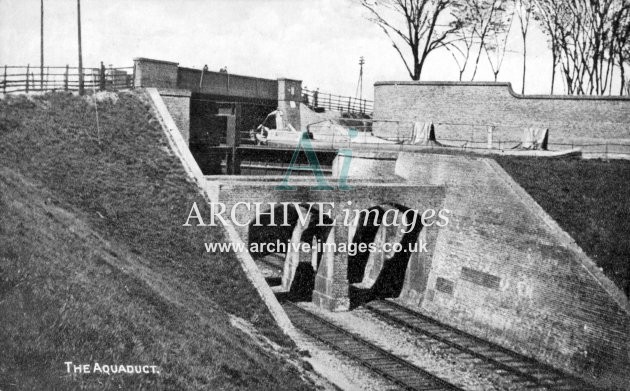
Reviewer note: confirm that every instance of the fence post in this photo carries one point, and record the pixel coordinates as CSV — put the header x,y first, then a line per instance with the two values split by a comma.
x,y
65,80
133,77
4,82
101,75
349,101
28,69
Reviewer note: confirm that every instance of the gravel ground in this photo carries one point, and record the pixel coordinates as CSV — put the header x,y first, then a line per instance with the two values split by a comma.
x,y
422,351
428,354
343,371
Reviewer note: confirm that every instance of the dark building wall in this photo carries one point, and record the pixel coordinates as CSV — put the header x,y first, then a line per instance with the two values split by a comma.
x,y
289,97
257,95
225,84
569,118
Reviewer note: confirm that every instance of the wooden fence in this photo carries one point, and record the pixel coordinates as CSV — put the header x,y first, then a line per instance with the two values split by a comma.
x,y
54,78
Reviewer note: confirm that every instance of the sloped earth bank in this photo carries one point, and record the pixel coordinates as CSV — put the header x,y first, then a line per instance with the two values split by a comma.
x,y
95,266
590,199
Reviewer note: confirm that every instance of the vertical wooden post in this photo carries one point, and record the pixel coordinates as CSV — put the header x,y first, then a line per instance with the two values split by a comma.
x,y
80,53
102,77
65,81
28,69
233,140
133,77
41,47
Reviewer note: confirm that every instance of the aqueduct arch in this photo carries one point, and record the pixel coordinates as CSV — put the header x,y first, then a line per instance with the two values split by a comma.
x,y
332,269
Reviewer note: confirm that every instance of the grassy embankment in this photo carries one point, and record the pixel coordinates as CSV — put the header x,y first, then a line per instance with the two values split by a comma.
x,y
95,265
590,199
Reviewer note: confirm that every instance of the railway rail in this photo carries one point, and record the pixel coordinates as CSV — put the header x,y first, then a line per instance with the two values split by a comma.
x,y
397,370
530,373
519,369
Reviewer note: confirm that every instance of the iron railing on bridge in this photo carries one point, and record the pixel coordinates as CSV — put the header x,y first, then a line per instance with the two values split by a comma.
x,y
381,134
328,101
56,78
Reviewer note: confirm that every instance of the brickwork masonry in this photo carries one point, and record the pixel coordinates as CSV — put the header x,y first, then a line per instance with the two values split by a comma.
x,y
455,107
504,270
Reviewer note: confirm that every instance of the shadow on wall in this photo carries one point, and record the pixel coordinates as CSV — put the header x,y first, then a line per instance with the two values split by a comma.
x,y
292,228
381,274
375,274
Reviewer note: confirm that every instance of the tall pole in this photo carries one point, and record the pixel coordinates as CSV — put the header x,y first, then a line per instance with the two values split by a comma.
x,y
359,90
41,47
80,54
361,62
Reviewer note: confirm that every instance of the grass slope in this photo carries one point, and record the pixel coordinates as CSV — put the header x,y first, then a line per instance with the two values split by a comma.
x,y
590,199
96,266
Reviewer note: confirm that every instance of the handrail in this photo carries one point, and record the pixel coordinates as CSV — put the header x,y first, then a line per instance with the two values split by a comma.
x,y
328,101
18,78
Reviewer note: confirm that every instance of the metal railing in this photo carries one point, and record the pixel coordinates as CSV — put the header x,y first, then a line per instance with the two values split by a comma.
x,y
55,78
328,101
390,135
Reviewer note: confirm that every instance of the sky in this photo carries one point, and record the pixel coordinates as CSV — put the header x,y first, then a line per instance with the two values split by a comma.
x,y
316,41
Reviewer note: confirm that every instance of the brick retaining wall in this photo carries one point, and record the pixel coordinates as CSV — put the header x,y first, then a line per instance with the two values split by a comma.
x,y
569,118
503,270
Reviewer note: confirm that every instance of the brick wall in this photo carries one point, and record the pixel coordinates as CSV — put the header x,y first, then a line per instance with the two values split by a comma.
x,y
255,92
178,104
155,73
219,83
569,118
331,283
503,270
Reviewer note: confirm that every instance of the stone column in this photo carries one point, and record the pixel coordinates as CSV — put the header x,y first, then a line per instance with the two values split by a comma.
x,y
289,97
155,73
331,282
293,255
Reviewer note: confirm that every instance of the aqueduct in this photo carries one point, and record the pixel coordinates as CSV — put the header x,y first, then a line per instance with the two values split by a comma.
x,y
502,269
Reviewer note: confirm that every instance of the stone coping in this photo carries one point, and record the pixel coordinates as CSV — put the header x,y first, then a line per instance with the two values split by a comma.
x,y
144,59
503,85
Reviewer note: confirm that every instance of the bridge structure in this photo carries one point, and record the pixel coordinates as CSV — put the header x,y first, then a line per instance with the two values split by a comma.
x,y
501,269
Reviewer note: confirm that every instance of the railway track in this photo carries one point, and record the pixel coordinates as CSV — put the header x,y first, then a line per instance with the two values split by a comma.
x,y
272,261
397,370
523,370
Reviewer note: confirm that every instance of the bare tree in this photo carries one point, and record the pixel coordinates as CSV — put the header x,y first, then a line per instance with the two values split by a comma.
x,y
621,44
496,44
420,26
549,14
523,10
461,47
589,36
479,21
